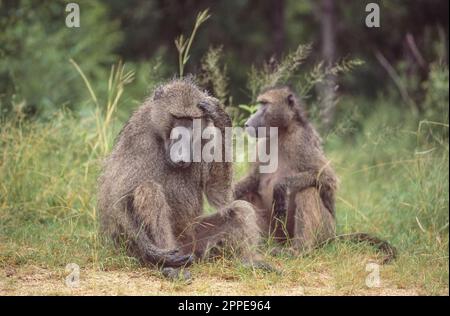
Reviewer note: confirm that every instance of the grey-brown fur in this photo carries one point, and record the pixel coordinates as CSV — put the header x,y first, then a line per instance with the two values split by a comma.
x,y
156,207
297,202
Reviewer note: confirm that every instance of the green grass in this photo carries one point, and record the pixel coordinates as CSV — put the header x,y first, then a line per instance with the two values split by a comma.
x,y
394,183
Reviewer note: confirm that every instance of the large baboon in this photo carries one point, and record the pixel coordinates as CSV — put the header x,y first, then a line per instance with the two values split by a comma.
x,y
152,201
297,202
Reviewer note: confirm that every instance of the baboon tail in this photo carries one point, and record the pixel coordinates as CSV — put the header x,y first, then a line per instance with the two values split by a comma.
x,y
383,246
143,247
171,258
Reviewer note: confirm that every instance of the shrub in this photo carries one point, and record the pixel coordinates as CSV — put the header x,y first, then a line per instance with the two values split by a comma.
x,y
37,46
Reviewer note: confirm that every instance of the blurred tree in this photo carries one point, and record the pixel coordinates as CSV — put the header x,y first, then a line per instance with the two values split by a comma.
x,y
277,20
249,31
413,34
36,48
326,12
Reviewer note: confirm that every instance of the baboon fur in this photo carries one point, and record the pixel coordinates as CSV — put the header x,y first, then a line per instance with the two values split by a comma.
x,y
296,203
155,207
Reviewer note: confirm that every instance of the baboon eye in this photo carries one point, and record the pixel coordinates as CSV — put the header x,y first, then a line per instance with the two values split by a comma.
x,y
159,92
290,100
181,117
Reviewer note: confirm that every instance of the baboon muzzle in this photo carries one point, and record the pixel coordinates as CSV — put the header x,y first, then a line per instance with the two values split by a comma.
x,y
255,121
178,156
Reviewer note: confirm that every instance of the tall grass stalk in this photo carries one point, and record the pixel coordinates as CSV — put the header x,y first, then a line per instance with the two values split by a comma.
x,y
184,45
118,79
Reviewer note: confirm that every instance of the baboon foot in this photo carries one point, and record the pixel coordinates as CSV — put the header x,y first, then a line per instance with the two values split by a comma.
x,y
280,201
174,274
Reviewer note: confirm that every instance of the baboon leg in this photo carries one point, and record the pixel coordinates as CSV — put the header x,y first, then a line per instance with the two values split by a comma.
x,y
148,227
313,222
263,216
232,228
282,226
150,208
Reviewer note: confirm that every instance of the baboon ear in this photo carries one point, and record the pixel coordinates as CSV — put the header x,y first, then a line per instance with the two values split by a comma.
x,y
159,92
291,100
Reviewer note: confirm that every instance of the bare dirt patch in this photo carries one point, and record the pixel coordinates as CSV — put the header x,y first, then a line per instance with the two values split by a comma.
x,y
32,280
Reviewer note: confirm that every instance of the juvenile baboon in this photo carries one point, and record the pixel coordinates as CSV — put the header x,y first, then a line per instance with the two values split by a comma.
x,y
152,201
297,202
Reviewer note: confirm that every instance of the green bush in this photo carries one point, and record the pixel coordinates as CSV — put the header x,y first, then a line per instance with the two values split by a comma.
x,y
37,46
436,99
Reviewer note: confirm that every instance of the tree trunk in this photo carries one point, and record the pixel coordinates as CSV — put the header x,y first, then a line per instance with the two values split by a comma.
x,y
327,17
277,26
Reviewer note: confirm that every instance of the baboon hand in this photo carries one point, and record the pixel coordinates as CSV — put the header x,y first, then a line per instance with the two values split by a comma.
x,y
280,200
209,109
218,116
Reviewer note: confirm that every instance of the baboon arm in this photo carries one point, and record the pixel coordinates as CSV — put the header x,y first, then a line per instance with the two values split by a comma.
x,y
248,184
218,188
300,181
217,114
323,180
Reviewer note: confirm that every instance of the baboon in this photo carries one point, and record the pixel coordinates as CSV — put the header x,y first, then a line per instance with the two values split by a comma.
x,y
297,202
152,201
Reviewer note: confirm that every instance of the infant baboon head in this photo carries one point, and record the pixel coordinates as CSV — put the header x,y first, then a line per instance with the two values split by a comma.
x,y
278,107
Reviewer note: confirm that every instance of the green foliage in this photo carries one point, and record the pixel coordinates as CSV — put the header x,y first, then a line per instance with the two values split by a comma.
x,y
148,75
47,195
320,73
184,45
246,111
273,73
118,79
37,46
393,170
436,97
213,75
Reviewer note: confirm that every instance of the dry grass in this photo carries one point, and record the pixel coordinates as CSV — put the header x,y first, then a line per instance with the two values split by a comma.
x,y
32,280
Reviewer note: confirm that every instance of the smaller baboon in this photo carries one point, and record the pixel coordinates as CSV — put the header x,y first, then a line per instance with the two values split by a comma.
x,y
151,199
297,201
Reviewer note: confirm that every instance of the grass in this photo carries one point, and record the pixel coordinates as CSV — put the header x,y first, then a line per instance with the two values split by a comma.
x,y
394,183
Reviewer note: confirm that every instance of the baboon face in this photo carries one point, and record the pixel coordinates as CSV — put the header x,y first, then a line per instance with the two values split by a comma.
x,y
177,157
276,109
175,109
